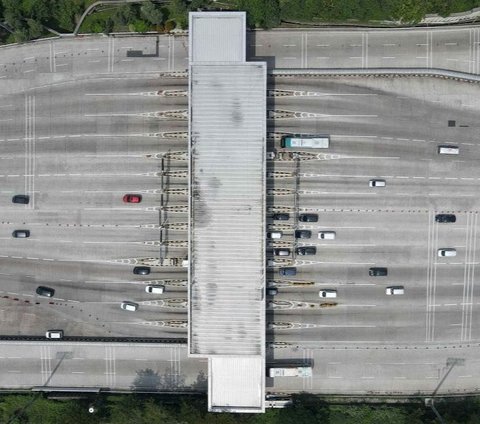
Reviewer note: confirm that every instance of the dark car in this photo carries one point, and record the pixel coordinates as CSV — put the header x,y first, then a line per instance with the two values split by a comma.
x,y
21,198
45,291
288,272
303,234
132,198
21,233
305,251
445,217
141,270
281,216
272,291
308,217
378,272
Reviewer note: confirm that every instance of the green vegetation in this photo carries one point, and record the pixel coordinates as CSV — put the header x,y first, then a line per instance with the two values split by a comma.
x,y
24,20
268,13
182,409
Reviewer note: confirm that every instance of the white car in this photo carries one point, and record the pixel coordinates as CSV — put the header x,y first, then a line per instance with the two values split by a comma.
x,y
129,306
54,334
326,235
395,290
377,183
327,293
274,234
155,289
447,251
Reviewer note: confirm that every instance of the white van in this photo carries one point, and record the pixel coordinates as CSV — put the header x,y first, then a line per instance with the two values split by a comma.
x,y
448,150
395,290
155,289
54,334
377,183
326,293
326,235
129,306
447,251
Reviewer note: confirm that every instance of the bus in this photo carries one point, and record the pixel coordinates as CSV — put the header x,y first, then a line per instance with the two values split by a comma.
x,y
290,372
306,142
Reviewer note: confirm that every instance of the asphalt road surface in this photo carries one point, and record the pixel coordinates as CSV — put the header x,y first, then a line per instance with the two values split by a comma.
x,y
85,121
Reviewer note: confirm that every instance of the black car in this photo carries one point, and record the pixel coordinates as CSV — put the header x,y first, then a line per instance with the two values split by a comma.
x,y
45,291
281,216
21,198
378,272
306,251
272,291
445,217
308,217
303,234
288,272
141,270
21,233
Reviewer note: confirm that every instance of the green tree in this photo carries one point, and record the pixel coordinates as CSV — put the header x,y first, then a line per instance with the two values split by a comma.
x,y
65,12
139,26
261,13
178,12
410,11
151,13
35,28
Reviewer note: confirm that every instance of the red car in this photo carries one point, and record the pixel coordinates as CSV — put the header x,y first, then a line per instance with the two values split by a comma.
x,y
132,198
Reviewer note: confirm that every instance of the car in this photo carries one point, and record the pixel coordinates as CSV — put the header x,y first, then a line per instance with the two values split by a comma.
x,y
274,234
306,251
447,251
377,183
21,233
326,235
303,234
155,289
281,252
272,291
395,290
23,199
378,272
281,216
132,198
445,217
327,293
129,306
45,291
54,334
308,217
141,270
288,272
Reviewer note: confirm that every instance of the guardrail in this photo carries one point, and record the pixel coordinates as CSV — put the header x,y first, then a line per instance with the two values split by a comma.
x,y
96,339
377,72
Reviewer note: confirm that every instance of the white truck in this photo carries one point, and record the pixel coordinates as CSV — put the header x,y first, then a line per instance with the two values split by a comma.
x,y
290,372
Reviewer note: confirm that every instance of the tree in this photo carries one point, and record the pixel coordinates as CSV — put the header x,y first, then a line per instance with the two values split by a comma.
x,y
125,15
151,13
178,12
64,13
261,13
